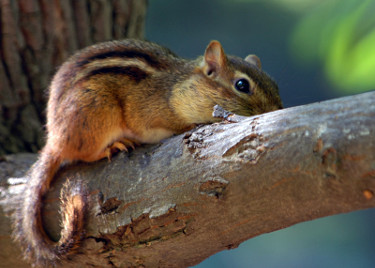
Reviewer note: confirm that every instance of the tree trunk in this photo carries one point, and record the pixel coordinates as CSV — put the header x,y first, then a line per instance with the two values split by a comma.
x,y
36,37
178,202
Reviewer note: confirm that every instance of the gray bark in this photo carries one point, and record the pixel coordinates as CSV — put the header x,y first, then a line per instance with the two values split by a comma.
x,y
180,201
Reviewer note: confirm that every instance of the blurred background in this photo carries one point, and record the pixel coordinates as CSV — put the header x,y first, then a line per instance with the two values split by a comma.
x,y
316,50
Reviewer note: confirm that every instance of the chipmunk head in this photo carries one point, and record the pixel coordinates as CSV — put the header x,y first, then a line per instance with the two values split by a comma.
x,y
240,84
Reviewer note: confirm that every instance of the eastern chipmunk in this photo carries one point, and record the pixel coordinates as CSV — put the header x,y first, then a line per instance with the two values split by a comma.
x,y
110,96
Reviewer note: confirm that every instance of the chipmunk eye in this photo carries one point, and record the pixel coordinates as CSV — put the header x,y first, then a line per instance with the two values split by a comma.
x,y
243,85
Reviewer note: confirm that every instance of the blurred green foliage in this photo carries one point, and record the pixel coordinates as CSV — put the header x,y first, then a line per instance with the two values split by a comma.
x,y
340,35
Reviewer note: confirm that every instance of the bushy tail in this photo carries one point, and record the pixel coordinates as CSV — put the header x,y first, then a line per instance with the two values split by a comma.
x,y
38,248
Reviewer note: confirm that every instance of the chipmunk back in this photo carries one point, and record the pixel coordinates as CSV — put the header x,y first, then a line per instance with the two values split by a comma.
x,y
111,96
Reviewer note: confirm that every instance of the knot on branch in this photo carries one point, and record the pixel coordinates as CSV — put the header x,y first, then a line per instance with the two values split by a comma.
x,y
214,187
249,148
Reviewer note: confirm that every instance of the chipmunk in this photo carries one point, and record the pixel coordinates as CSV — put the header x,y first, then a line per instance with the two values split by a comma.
x,y
112,95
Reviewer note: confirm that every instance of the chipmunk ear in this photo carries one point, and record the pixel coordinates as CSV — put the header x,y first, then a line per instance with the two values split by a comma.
x,y
253,59
214,58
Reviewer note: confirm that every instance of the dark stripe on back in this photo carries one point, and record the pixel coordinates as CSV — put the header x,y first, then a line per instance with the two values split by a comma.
x,y
132,72
130,54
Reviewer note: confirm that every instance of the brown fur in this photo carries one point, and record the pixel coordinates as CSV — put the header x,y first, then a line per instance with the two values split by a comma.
x,y
112,95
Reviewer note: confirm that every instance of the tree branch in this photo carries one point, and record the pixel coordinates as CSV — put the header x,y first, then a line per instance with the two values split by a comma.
x,y
178,202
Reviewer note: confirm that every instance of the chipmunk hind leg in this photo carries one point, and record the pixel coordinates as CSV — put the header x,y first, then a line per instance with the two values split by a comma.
x,y
93,135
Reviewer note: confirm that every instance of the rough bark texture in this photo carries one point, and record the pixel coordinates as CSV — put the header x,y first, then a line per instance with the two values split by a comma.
x,y
178,202
36,36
